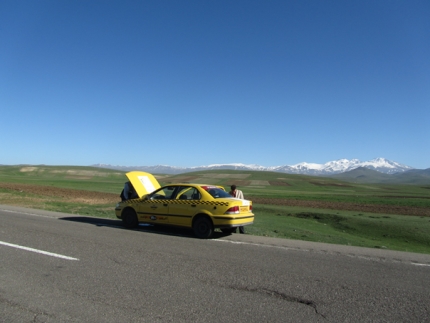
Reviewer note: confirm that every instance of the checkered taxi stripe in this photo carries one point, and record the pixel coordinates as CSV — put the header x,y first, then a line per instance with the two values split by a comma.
x,y
189,202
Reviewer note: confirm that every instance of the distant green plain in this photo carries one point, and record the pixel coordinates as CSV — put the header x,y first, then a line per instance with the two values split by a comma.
x,y
338,226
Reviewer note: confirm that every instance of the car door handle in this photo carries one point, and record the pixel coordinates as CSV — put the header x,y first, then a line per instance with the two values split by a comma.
x,y
154,207
193,205
165,204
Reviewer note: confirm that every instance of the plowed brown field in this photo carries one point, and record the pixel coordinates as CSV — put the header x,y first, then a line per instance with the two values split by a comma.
x,y
64,194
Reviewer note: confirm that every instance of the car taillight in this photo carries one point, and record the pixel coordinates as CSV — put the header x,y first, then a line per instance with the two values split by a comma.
x,y
232,210
250,207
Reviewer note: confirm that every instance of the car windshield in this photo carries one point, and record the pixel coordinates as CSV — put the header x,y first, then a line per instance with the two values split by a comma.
x,y
216,192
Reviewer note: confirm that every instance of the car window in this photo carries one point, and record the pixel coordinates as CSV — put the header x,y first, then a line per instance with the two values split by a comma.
x,y
216,192
196,194
188,193
164,193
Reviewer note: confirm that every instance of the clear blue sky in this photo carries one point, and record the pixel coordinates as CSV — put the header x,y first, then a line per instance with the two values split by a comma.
x,y
190,83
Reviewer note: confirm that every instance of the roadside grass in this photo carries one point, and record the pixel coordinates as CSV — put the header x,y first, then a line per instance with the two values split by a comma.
x,y
55,204
97,210
374,230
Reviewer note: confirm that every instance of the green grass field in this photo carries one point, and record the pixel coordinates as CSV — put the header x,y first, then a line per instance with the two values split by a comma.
x,y
73,177
338,226
386,231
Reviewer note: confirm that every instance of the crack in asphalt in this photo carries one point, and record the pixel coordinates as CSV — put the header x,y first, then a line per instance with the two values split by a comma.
x,y
42,316
282,296
37,314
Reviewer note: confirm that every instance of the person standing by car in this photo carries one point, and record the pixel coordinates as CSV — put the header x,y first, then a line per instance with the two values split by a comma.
x,y
128,192
239,195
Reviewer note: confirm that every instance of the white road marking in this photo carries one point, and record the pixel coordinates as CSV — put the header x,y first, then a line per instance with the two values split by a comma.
x,y
307,250
37,251
259,245
418,264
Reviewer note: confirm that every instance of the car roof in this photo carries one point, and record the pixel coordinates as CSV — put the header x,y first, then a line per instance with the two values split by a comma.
x,y
195,184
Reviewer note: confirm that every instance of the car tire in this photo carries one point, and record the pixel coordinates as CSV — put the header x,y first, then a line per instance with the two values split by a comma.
x,y
228,230
203,228
129,219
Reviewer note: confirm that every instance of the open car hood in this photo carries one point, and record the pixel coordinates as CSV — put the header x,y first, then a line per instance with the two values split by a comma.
x,y
143,183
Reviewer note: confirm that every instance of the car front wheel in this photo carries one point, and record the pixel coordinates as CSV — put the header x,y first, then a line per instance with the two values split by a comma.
x,y
129,219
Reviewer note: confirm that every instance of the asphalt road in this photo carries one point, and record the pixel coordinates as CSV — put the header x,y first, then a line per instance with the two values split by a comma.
x,y
60,268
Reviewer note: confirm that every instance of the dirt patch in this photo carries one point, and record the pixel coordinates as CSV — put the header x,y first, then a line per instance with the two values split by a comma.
x,y
238,183
27,169
182,179
259,182
278,183
78,177
214,175
330,184
403,197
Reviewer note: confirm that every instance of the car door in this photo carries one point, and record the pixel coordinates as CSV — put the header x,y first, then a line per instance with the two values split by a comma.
x,y
155,208
183,207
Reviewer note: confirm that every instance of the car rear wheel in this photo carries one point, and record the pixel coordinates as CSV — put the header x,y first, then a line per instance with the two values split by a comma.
x,y
203,228
129,219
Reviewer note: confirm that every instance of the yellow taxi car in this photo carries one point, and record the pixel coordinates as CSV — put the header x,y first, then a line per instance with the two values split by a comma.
x,y
198,206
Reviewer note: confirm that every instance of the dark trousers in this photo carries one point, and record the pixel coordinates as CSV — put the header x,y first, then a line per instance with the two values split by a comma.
x,y
241,229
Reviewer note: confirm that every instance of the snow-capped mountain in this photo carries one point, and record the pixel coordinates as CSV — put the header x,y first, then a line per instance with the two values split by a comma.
x,y
344,165
333,167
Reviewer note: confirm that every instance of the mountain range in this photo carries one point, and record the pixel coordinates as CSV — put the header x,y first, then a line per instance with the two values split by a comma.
x,y
339,166
366,175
